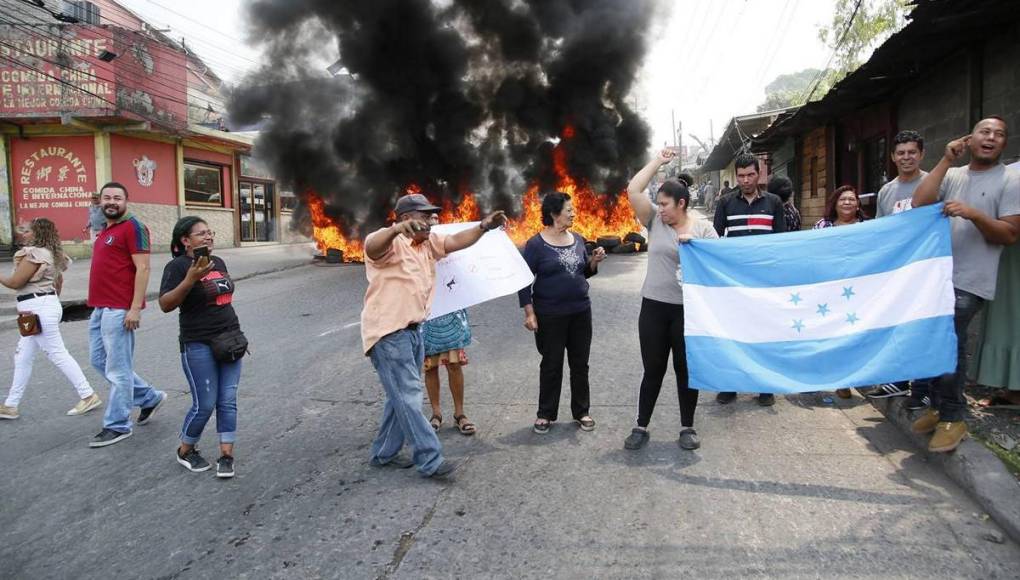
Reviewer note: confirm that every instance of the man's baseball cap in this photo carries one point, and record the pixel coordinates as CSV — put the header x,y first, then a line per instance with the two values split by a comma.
x,y
414,202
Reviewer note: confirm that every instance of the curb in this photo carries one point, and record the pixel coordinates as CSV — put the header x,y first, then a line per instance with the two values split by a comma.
x,y
972,466
151,296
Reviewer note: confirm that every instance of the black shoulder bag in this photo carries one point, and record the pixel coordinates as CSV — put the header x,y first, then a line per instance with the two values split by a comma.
x,y
229,346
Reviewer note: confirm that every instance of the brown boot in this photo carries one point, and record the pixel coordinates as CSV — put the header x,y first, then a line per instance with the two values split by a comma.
x,y
926,422
947,437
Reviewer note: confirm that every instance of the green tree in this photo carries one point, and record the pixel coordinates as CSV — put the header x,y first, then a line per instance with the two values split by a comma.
x,y
856,28
871,22
789,89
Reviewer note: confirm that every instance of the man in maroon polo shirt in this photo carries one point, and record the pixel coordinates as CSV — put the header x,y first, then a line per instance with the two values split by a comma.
x,y
117,283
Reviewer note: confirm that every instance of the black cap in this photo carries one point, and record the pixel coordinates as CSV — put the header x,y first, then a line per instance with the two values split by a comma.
x,y
414,202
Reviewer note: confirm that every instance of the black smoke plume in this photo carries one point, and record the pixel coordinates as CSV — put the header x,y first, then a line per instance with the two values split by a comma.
x,y
451,95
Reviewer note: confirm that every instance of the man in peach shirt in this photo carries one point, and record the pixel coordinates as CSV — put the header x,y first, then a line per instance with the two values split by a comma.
x,y
400,263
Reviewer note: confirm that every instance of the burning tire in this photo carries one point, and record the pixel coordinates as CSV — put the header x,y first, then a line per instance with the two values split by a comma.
x,y
608,242
635,238
627,248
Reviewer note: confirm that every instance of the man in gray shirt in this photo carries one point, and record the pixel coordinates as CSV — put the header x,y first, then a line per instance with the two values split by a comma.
x,y
896,196
983,203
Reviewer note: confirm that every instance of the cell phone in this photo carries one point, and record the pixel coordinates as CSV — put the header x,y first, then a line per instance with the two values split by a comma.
x,y
201,252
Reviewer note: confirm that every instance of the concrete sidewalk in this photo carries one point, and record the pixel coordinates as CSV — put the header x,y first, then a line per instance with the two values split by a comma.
x,y
242,263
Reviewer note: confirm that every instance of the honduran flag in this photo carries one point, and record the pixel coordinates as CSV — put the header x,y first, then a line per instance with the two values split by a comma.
x,y
821,309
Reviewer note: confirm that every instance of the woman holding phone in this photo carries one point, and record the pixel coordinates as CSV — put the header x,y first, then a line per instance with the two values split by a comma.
x,y
197,283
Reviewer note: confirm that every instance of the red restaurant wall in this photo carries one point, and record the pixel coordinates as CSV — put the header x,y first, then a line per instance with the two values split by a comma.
x,y
54,177
131,157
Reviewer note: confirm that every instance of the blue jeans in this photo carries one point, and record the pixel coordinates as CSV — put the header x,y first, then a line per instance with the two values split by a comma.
x,y
112,352
947,391
398,358
213,387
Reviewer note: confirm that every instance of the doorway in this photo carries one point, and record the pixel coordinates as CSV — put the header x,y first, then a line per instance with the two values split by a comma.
x,y
256,212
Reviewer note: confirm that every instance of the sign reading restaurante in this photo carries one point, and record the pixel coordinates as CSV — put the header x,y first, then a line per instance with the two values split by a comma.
x,y
54,177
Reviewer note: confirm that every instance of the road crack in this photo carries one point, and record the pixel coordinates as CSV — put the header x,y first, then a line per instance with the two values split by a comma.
x,y
408,538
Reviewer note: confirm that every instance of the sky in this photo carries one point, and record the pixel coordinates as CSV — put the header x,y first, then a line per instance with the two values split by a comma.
x,y
708,60
712,60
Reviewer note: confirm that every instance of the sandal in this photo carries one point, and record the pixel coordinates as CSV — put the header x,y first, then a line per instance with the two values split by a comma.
x,y
998,402
586,423
463,425
542,426
436,421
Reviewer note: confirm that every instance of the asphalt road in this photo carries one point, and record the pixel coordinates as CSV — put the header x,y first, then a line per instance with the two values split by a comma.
x,y
799,490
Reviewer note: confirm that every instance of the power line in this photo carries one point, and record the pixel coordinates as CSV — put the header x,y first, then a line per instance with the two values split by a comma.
x,y
207,27
44,28
700,51
714,70
75,87
699,30
138,75
94,76
774,43
127,16
125,24
835,49
44,31
134,75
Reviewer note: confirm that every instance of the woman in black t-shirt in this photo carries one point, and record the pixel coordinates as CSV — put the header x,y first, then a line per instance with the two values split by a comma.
x,y
203,291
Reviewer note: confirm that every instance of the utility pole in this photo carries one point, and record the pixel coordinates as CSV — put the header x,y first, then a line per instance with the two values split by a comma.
x,y
672,115
680,145
711,134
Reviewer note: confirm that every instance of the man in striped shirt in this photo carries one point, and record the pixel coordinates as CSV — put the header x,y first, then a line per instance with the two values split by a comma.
x,y
748,212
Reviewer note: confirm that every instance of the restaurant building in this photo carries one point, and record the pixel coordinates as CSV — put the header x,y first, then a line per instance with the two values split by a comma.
x,y
95,94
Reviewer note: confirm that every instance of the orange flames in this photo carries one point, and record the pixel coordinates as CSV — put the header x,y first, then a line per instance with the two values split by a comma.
x,y
595,214
329,235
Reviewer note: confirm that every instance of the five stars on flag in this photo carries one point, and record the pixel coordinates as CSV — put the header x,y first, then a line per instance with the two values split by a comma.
x,y
823,309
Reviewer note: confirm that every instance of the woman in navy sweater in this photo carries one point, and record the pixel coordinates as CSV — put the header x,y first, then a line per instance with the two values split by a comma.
x,y
557,309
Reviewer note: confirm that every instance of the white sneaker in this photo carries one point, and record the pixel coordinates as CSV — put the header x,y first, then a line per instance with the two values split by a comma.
x,y
85,405
9,412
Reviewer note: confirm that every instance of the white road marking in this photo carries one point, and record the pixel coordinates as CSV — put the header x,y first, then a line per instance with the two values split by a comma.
x,y
336,330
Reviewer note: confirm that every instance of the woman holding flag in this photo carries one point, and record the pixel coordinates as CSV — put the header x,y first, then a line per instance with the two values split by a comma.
x,y
661,322
843,208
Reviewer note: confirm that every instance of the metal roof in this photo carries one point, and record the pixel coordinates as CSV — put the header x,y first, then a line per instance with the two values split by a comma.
x,y
739,133
937,29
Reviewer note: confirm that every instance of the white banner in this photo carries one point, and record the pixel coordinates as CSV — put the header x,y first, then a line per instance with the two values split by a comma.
x,y
491,268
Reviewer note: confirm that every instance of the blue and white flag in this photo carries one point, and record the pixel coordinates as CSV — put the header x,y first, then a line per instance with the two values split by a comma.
x,y
821,309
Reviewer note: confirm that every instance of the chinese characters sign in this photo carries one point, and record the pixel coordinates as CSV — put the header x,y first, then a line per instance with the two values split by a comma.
x,y
54,177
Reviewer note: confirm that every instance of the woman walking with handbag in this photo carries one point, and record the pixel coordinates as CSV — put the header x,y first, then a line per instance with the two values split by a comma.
x,y
38,278
211,342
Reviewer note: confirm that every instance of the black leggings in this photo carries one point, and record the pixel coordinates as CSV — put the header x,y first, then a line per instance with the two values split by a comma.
x,y
660,330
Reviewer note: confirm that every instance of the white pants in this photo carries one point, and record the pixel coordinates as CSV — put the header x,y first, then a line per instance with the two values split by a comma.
x,y
49,341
